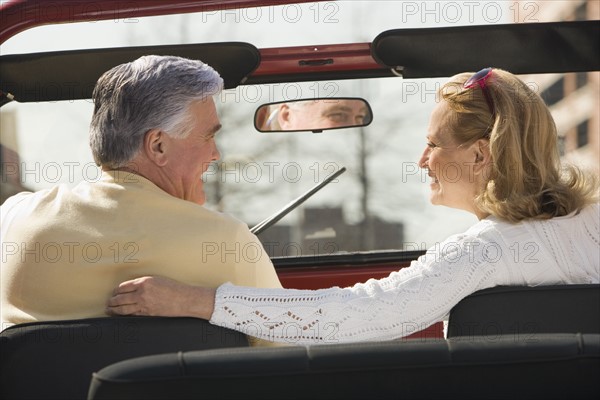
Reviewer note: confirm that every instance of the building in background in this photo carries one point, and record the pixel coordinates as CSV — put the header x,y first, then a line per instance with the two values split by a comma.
x,y
324,231
10,165
574,99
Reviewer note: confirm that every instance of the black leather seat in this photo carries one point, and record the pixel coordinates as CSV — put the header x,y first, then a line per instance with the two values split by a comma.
x,y
540,367
522,311
55,360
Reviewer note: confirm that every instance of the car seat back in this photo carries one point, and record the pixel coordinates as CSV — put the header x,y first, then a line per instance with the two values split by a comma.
x,y
540,367
55,360
520,310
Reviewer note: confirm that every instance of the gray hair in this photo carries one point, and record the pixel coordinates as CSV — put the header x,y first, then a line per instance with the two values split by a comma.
x,y
152,92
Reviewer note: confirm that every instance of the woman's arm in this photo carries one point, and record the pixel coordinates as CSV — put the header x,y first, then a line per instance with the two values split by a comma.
x,y
405,302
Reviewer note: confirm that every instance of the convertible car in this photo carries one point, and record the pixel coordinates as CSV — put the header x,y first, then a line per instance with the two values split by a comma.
x,y
356,207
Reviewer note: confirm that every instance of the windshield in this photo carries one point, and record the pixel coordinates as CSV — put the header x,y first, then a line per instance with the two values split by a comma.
x,y
379,203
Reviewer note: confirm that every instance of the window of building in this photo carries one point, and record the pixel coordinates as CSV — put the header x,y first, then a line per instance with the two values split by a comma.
x,y
555,92
582,134
581,79
561,145
581,12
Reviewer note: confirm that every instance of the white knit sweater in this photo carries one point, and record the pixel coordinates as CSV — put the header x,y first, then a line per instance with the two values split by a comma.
x,y
492,252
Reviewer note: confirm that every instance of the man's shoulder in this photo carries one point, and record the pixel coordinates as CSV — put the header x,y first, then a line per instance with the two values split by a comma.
x,y
20,206
10,204
15,199
202,214
226,218
25,197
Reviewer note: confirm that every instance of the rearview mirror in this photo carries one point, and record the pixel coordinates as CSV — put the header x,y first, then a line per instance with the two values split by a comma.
x,y
313,115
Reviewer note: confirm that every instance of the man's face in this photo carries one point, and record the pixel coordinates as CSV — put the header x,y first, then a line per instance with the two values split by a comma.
x,y
322,114
190,157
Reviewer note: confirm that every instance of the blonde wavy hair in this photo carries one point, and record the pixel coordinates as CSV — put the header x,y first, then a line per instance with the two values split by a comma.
x,y
526,179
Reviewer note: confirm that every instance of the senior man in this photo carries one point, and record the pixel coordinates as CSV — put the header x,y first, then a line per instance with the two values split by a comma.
x,y
153,134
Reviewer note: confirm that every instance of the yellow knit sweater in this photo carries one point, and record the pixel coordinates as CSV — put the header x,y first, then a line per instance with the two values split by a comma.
x,y
65,250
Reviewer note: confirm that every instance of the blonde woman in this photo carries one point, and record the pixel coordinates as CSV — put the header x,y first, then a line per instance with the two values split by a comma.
x,y
492,151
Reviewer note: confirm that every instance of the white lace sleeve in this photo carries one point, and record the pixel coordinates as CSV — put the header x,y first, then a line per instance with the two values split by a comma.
x,y
402,303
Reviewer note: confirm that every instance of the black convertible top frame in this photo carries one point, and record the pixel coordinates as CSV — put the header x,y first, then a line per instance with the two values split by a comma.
x,y
72,75
519,48
556,47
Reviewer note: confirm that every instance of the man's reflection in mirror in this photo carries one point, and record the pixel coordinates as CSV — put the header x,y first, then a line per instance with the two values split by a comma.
x,y
317,114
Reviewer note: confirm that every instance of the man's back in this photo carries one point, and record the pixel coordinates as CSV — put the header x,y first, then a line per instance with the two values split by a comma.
x,y
64,250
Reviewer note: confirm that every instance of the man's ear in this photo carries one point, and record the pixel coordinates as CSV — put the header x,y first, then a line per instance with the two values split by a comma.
x,y
283,116
483,157
155,146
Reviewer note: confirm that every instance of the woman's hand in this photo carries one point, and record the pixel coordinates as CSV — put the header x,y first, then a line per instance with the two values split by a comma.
x,y
158,296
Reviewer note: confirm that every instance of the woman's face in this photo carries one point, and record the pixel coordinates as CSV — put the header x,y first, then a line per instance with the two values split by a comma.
x,y
451,165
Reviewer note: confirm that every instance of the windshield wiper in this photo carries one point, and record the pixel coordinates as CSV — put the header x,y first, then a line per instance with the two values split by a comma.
x,y
264,224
